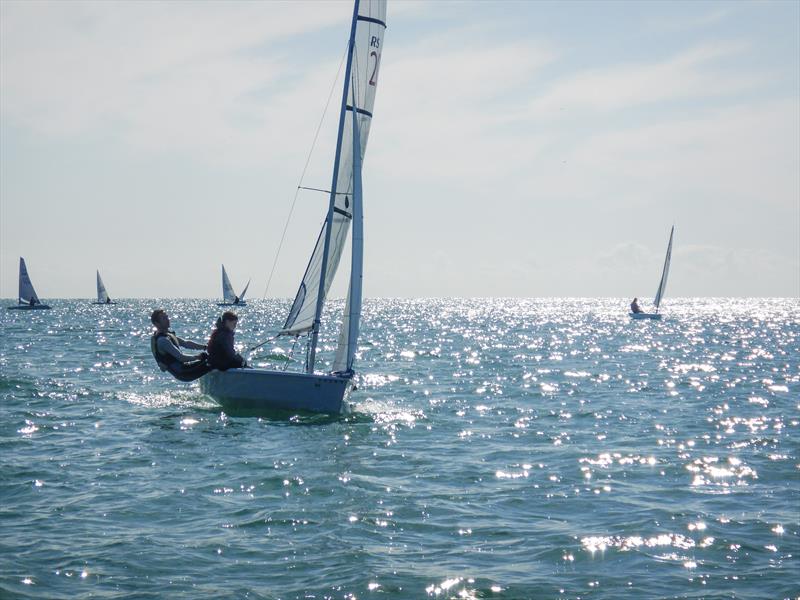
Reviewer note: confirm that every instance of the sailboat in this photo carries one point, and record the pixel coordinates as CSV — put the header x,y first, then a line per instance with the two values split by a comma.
x,y
102,294
27,298
229,298
662,284
264,389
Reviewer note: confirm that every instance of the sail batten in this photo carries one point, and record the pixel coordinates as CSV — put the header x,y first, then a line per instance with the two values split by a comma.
x,y
358,98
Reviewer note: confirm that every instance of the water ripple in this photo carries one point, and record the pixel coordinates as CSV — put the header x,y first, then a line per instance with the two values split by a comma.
x,y
503,448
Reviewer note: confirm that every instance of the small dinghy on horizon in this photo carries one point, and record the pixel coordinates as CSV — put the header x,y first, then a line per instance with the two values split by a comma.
x,y
27,298
662,285
102,294
229,298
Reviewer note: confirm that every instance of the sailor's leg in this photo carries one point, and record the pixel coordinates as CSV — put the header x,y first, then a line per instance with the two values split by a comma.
x,y
191,371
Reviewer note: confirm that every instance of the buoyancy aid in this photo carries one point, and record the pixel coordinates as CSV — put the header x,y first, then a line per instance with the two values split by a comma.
x,y
166,362
186,372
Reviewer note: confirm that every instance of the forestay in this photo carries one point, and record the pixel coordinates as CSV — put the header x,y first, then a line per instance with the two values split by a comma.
x,y
228,295
102,294
360,85
26,291
662,285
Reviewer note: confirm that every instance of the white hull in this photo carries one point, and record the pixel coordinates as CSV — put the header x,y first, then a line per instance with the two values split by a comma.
x,y
642,315
27,307
254,391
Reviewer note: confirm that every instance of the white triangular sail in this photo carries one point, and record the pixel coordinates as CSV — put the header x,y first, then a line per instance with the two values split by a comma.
x,y
348,336
361,78
26,291
662,285
228,294
244,291
102,294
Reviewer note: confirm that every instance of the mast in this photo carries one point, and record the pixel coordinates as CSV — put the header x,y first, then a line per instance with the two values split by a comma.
x,y
348,336
329,218
22,270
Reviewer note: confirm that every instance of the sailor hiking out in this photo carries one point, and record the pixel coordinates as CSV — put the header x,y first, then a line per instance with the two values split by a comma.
x,y
165,346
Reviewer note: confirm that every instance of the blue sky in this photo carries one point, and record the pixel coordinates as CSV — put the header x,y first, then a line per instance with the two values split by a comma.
x,y
518,148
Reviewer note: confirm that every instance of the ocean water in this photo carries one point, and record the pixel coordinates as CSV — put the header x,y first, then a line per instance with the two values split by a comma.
x,y
498,448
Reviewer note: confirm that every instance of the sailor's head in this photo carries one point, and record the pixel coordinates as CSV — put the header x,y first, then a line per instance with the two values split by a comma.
x,y
160,319
229,319
635,299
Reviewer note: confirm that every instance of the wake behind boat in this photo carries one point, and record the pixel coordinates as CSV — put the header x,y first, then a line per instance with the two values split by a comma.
x,y
102,294
27,298
264,390
662,285
229,298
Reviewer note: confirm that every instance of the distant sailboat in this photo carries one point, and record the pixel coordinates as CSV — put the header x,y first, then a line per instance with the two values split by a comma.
x,y
102,294
27,298
264,389
229,298
662,284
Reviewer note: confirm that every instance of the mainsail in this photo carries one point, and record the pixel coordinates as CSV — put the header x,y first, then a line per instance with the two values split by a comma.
x,y
228,294
361,78
26,291
348,336
662,285
102,294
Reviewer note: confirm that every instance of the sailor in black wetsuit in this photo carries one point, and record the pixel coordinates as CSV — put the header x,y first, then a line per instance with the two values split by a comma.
x,y
221,354
165,346
635,306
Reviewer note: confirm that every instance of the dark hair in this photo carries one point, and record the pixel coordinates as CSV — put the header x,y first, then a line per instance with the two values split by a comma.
x,y
229,316
156,316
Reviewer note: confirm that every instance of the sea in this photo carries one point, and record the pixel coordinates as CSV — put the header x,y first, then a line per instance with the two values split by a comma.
x,y
495,448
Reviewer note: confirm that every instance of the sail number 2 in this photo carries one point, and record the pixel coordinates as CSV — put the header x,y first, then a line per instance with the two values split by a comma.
x,y
374,42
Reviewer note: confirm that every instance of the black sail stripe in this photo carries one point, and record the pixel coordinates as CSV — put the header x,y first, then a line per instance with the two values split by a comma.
x,y
360,111
372,20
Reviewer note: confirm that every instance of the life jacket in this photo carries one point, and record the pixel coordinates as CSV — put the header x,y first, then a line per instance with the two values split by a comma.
x,y
166,362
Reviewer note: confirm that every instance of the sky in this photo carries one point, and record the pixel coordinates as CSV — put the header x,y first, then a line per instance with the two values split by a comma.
x,y
528,149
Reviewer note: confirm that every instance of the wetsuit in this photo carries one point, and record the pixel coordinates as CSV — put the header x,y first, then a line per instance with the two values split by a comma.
x,y
167,358
635,308
221,354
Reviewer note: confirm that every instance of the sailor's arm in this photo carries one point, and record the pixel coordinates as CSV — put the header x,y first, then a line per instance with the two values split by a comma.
x,y
231,356
191,345
167,347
